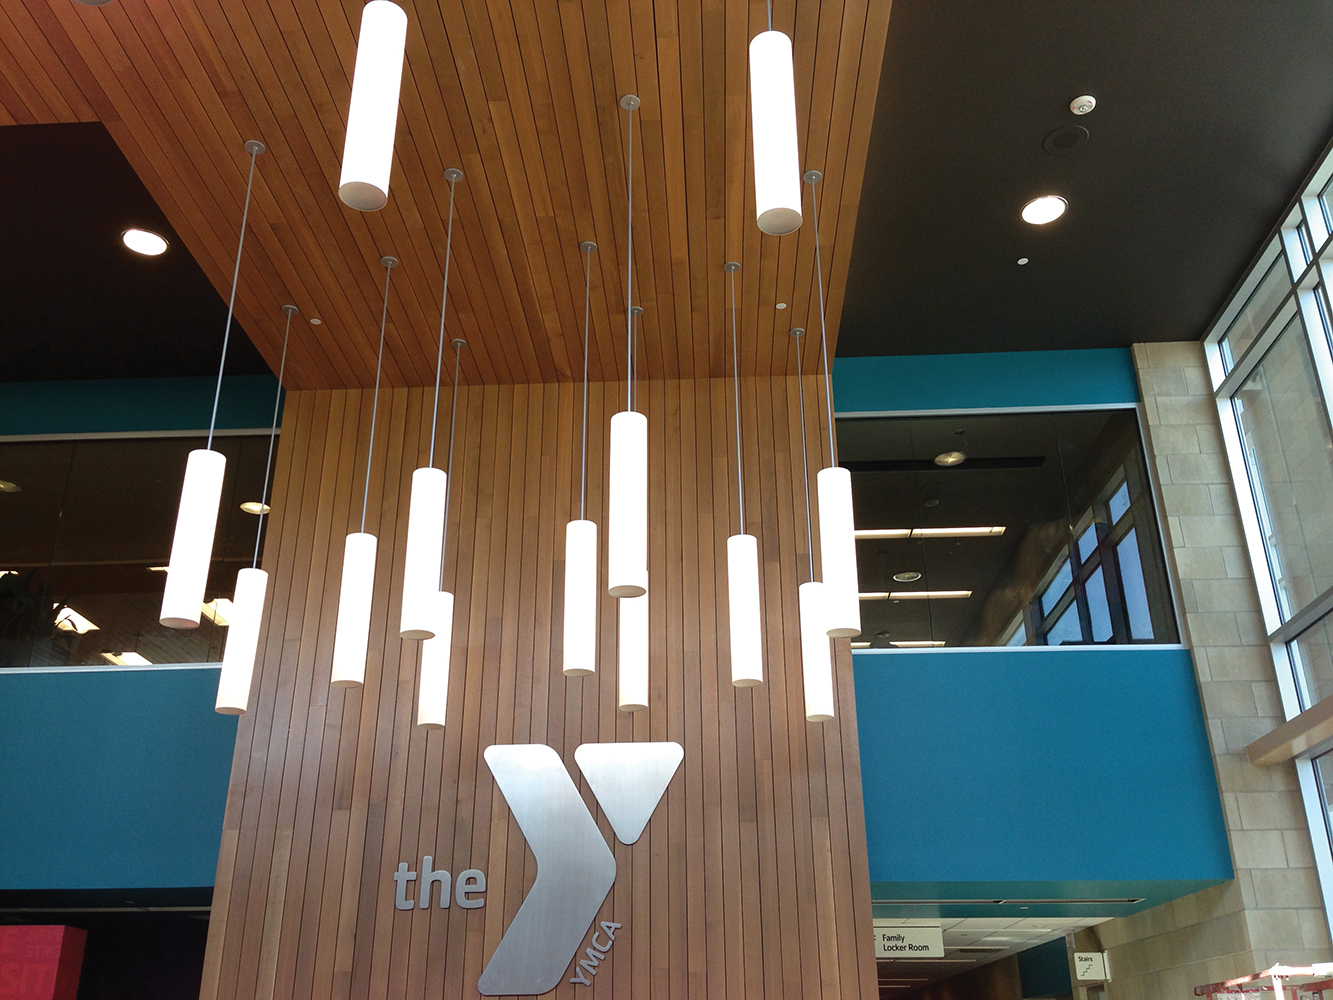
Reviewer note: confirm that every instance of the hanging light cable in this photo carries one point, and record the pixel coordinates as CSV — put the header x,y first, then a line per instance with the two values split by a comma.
x,y
433,691
580,633
837,535
777,186
425,511
351,636
247,602
816,654
627,499
372,114
747,637
201,493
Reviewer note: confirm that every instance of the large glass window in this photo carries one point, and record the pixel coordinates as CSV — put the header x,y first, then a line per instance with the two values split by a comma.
x,y
1289,452
85,535
1312,656
1258,310
1043,535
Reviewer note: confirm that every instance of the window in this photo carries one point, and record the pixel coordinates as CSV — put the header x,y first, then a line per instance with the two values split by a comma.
x,y
1044,536
1258,310
85,537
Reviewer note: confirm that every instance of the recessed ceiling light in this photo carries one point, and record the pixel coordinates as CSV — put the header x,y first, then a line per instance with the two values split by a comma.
x,y
315,321
158,569
144,242
255,507
911,576
1022,260
948,458
1082,105
219,611
7,487
860,645
69,620
968,532
917,643
914,595
1047,208
782,305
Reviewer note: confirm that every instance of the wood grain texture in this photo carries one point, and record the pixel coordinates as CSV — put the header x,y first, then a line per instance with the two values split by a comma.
x,y
751,880
522,95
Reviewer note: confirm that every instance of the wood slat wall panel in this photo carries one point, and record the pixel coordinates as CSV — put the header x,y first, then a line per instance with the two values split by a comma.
x,y
522,95
750,880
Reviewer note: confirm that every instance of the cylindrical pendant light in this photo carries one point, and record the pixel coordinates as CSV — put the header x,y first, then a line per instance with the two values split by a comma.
x,y
633,653
351,636
430,486
238,659
433,690
747,635
777,170
372,116
837,534
425,547
197,518
627,496
816,657
580,631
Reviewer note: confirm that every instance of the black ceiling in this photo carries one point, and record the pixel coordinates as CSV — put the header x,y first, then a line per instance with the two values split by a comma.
x,y
74,302
1209,115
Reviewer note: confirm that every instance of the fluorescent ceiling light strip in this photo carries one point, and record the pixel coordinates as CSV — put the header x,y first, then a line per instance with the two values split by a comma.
x,y
973,531
917,643
914,595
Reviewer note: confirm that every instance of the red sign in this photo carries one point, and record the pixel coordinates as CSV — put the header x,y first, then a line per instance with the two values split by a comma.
x,y
40,963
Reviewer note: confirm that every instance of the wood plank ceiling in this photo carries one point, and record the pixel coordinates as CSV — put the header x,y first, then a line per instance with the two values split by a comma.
x,y
522,95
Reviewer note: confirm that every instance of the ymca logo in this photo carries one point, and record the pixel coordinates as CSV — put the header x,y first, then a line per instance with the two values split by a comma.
x,y
575,867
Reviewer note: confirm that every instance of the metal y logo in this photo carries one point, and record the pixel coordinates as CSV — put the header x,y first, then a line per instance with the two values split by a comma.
x,y
575,868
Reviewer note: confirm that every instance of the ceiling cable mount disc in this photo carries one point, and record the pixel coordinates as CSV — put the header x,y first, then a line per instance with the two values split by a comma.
x,y
254,147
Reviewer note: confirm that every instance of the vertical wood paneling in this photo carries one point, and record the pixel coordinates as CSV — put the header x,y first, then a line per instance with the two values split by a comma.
x,y
750,880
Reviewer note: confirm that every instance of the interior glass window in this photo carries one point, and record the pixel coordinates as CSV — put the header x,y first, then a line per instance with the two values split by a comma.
x,y
1260,306
85,539
1044,535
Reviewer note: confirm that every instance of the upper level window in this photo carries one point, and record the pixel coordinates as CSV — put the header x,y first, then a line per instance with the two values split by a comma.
x,y
1044,535
84,540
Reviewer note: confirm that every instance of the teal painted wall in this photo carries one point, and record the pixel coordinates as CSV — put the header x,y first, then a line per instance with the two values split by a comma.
x,y
143,405
1014,379
1043,773
112,779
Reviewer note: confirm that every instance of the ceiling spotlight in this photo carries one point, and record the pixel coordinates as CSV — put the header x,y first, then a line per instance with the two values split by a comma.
x,y
7,487
911,576
315,321
1082,105
1047,208
255,507
781,305
144,242
1022,260
949,458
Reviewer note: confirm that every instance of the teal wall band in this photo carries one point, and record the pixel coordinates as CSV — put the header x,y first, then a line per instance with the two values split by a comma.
x,y
135,405
112,779
1057,773
1004,380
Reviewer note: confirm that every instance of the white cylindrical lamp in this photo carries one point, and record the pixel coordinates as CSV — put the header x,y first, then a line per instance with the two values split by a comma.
x,y
627,506
192,545
425,548
777,164
747,637
351,638
837,553
633,653
816,654
372,116
580,632
433,691
238,657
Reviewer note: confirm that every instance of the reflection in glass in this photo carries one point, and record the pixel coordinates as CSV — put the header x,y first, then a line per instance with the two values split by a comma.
x,y
1260,306
1079,560
1288,447
83,537
1312,657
